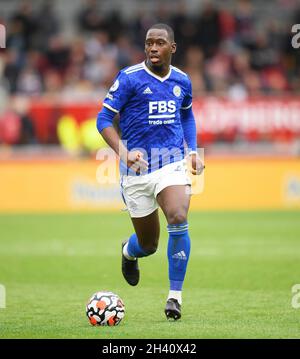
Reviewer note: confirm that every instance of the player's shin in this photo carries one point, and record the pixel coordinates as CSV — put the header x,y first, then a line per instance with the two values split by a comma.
x,y
178,256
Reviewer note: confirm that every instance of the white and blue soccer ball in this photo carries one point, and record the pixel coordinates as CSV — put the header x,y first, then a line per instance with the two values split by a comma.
x,y
105,308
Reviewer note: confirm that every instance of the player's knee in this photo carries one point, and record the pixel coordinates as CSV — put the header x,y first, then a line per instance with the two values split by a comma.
x,y
177,217
150,248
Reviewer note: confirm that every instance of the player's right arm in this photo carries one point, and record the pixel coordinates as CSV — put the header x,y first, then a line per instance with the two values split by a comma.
x,y
116,99
133,159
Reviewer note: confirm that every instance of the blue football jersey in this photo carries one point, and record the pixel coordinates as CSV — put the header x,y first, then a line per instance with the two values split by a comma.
x,y
149,108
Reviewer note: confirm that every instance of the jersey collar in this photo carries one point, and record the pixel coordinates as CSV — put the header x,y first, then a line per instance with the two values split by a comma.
x,y
162,79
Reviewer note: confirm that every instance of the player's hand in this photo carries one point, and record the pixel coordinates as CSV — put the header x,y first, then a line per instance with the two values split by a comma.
x,y
136,162
197,166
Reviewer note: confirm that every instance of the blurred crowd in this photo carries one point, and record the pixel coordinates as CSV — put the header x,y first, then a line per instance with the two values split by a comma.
x,y
223,50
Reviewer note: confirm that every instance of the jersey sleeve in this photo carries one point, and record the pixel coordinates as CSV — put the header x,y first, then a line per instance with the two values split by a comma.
x,y
118,94
187,100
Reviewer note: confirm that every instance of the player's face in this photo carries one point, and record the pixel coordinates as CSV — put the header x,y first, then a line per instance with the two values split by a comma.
x,y
159,48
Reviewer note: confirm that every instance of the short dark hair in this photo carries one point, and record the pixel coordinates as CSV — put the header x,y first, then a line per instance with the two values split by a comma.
x,y
166,27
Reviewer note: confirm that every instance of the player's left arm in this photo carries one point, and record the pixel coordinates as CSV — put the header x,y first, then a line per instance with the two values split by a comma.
x,y
190,135
189,130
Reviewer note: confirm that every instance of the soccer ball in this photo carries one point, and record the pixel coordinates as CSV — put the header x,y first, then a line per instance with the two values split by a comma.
x,y
105,308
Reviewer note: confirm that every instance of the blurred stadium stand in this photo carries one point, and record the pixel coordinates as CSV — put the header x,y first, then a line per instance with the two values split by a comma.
x,y
62,56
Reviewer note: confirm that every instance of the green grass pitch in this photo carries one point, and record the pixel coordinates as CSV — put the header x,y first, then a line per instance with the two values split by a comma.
x,y
238,285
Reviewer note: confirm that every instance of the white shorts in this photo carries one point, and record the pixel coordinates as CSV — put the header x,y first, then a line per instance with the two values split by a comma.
x,y
139,192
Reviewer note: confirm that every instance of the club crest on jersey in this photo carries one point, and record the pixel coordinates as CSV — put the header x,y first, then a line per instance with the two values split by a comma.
x,y
177,91
115,86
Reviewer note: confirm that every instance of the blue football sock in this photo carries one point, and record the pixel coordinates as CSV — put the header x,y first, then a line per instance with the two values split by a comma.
x,y
178,254
134,249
